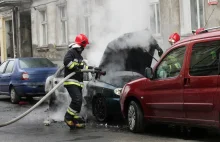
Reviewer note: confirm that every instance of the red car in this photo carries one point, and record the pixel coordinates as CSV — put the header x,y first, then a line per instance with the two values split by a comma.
x,y
183,88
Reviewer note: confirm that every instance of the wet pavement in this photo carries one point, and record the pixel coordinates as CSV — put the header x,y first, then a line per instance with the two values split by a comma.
x,y
32,129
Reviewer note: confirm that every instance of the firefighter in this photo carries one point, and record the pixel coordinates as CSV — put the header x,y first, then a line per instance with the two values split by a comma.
x,y
73,62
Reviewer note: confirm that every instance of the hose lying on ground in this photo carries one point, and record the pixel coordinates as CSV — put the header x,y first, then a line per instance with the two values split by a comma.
x,y
42,100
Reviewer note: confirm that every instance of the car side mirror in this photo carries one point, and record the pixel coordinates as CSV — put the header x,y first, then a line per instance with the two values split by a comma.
x,y
149,73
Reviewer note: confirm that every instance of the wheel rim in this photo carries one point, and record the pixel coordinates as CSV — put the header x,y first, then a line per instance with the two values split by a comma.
x,y
100,109
131,117
13,95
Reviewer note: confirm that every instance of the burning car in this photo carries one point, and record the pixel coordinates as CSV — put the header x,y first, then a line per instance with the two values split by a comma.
x,y
124,60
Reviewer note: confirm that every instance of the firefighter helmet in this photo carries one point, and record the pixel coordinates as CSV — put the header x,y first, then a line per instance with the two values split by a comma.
x,y
174,38
81,40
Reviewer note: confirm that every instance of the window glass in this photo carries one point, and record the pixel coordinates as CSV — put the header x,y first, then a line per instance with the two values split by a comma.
x,y
2,67
197,13
36,63
10,67
171,64
204,59
155,18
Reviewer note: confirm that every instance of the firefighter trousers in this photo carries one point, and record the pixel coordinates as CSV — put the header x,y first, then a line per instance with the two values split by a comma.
x,y
75,93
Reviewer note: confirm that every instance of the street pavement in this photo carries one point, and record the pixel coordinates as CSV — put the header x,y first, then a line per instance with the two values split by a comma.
x,y
32,129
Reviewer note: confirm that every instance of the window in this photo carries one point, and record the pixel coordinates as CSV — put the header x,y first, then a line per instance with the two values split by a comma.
x,y
63,24
36,63
43,28
171,64
155,18
87,18
205,59
197,13
2,67
10,67
191,15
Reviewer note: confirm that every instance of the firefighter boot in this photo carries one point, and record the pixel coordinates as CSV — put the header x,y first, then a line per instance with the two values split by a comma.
x,y
74,121
79,121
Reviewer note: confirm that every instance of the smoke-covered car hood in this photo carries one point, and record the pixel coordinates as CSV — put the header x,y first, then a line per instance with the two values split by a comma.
x,y
130,52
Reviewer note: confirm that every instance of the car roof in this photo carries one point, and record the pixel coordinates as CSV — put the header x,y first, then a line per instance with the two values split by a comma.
x,y
199,36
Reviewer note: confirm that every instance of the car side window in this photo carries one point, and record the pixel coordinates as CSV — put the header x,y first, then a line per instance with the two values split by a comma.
x,y
205,59
10,67
171,64
61,73
2,67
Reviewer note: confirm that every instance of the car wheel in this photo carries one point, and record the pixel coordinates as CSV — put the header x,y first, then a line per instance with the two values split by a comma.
x,y
135,118
14,96
100,109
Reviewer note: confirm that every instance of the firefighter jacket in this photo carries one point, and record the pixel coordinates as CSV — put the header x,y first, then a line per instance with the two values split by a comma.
x,y
73,62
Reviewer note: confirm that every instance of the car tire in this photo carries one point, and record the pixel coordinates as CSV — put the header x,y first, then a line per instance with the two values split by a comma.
x,y
14,96
135,118
99,108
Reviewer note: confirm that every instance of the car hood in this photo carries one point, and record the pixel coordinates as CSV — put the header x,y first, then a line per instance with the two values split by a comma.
x,y
116,80
130,52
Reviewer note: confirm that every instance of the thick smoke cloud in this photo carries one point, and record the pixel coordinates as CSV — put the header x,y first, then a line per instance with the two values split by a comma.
x,y
111,20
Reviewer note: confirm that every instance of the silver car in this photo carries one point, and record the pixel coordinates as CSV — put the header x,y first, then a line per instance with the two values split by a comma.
x,y
59,100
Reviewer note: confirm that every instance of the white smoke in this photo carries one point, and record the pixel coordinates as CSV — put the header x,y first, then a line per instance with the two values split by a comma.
x,y
113,19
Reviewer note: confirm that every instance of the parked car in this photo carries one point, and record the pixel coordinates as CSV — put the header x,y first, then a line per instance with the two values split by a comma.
x,y
24,77
188,94
124,60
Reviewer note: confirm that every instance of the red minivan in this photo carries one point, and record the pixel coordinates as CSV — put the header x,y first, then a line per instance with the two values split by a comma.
x,y
183,88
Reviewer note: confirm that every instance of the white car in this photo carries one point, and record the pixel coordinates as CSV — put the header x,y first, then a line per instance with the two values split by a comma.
x,y
60,99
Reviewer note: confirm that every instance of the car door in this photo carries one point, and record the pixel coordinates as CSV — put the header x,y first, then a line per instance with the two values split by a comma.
x,y
201,81
2,70
164,95
6,77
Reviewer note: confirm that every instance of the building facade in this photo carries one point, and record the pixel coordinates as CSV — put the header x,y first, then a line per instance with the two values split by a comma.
x,y
44,28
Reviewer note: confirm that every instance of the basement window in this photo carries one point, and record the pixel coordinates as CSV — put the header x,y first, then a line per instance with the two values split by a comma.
x,y
155,18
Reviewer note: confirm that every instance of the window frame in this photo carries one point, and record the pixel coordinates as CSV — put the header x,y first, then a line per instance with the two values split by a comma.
x,y
63,40
41,24
190,56
86,14
4,67
12,67
185,19
168,53
157,17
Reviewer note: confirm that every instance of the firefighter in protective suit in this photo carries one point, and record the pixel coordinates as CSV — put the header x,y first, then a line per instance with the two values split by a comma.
x,y
73,62
171,67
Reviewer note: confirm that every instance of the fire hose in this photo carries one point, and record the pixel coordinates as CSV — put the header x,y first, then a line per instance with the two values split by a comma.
x,y
48,94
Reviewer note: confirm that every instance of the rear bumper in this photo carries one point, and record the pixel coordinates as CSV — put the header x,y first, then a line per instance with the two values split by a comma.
x,y
30,89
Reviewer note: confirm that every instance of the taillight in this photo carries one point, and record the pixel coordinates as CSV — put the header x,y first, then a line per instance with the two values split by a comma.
x,y
25,76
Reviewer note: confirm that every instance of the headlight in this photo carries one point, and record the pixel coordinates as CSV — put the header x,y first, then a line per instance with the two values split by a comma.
x,y
117,91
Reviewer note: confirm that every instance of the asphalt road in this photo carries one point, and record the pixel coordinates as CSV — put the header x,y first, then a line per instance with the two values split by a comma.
x,y
32,129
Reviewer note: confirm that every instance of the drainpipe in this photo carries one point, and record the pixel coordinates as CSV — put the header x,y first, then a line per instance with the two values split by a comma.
x,y
14,32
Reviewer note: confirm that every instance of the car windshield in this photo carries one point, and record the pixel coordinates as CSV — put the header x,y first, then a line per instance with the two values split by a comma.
x,y
119,79
35,63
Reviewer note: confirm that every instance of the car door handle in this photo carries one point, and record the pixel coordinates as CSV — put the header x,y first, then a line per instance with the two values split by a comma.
x,y
55,82
186,81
